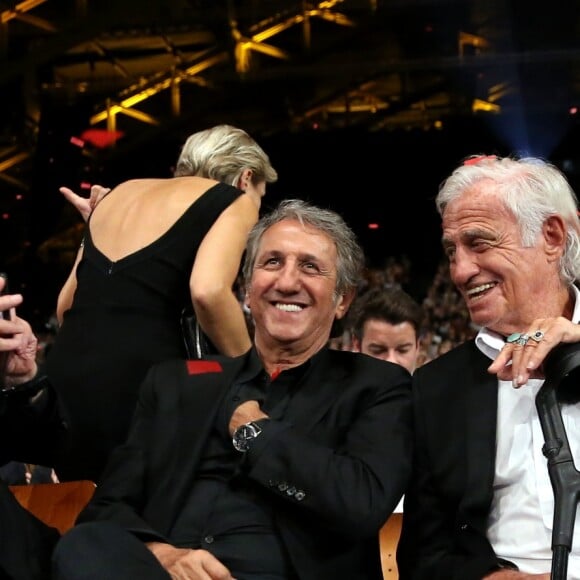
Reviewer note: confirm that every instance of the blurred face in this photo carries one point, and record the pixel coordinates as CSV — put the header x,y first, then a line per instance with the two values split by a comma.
x,y
503,284
396,343
291,295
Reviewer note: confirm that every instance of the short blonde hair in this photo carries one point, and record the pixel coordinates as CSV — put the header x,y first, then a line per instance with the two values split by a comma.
x,y
222,153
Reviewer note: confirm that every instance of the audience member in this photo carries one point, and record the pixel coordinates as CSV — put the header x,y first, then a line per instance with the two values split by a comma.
x,y
25,542
152,248
480,503
387,323
445,317
283,463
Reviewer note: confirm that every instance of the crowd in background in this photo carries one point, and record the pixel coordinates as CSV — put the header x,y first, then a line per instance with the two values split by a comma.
x,y
446,322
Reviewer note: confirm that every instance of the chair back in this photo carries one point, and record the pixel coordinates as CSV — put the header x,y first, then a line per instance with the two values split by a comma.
x,y
389,538
56,504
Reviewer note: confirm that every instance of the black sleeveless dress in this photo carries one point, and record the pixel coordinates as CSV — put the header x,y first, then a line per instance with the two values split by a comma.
x,y
125,316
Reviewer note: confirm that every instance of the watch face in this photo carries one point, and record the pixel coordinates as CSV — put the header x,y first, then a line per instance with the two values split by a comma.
x,y
243,435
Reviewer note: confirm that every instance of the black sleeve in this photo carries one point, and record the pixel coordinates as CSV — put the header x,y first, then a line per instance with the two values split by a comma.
x,y
30,422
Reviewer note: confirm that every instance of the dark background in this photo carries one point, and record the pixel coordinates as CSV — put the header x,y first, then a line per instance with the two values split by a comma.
x,y
364,106
387,178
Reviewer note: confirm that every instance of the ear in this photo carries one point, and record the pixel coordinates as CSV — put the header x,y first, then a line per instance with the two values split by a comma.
x,y
245,179
554,234
344,303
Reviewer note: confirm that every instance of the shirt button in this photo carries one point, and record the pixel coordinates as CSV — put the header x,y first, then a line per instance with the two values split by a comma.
x,y
208,539
463,527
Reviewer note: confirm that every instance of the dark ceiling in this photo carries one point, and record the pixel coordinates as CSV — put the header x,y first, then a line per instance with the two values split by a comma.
x,y
88,84
138,68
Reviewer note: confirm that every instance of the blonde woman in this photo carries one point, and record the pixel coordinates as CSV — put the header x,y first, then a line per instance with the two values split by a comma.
x,y
152,247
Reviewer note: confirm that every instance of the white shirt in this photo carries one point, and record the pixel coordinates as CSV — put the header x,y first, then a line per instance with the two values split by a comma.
x,y
522,510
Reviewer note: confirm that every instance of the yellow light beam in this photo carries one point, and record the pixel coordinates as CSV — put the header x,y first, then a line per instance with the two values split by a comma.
x,y
139,115
19,9
267,49
481,105
14,160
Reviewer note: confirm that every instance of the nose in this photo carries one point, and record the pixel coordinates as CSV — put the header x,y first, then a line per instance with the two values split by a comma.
x,y
463,267
288,279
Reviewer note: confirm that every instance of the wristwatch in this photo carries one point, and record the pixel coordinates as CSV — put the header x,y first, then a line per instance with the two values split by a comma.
x,y
244,435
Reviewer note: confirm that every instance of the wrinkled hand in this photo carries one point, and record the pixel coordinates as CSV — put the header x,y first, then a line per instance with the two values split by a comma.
x,y
85,205
17,343
244,413
526,361
187,564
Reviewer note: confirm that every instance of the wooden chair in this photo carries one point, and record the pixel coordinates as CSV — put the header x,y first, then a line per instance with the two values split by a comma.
x,y
389,538
56,504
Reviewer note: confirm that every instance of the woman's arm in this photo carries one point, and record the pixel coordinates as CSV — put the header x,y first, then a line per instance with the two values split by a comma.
x,y
67,292
214,273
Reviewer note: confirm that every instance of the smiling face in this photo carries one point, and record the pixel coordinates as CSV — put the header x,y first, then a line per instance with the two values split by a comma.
x,y
505,286
292,291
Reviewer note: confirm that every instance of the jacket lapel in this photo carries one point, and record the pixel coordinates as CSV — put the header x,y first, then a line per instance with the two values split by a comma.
x,y
200,394
481,413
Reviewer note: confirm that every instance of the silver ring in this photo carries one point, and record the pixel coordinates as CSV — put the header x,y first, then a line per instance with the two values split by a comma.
x,y
538,335
523,340
518,338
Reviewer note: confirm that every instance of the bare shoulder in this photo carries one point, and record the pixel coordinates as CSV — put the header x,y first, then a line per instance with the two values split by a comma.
x,y
244,207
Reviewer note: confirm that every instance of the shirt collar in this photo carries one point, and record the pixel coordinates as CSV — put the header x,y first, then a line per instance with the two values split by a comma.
x,y
254,367
490,343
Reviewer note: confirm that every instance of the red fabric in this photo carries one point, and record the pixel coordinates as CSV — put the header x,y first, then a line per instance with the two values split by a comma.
x,y
478,159
198,367
101,138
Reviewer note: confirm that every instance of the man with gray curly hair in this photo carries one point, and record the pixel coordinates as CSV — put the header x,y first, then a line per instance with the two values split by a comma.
x,y
281,464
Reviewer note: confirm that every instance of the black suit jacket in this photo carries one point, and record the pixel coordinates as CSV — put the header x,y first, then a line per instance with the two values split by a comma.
x,y
448,502
335,474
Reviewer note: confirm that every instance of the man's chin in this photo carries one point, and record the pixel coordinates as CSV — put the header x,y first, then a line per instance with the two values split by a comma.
x,y
481,317
286,335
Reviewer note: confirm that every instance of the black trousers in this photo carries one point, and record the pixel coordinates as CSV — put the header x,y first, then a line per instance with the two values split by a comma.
x,y
99,550
26,543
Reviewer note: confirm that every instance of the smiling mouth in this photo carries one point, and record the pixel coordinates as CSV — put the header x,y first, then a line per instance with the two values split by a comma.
x,y
479,291
289,307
